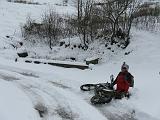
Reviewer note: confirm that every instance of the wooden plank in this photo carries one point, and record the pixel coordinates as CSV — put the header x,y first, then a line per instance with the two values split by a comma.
x,y
69,65
65,64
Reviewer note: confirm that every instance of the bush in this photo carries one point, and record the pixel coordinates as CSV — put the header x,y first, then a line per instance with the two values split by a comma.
x,y
52,28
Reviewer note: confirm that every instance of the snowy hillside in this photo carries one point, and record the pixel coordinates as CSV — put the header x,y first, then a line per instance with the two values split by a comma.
x,y
26,88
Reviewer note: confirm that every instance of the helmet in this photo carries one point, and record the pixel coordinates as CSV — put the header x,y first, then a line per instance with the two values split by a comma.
x,y
124,65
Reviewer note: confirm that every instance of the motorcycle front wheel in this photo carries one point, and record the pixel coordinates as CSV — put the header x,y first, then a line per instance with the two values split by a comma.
x,y
87,87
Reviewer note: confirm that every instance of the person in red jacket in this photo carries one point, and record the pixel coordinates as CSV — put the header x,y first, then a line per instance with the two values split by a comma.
x,y
124,79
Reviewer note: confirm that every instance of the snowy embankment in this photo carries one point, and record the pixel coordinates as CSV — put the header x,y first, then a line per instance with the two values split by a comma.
x,y
24,86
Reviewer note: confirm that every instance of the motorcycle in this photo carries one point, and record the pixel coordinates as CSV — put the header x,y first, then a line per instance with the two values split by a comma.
x,y
104,92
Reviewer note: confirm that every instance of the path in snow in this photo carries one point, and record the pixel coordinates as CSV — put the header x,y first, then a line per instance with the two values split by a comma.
x,y
61,95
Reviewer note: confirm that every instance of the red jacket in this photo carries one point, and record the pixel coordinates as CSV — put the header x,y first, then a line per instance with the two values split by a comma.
x,y
123,81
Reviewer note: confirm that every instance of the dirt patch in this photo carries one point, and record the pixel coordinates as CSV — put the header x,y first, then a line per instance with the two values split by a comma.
x,y
65,113
121,117
59,85
124,116
42,109
29,75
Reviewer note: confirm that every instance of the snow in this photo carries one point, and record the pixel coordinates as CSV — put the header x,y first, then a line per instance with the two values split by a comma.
x,y
14,104
24,86
21,50
92,58
72,41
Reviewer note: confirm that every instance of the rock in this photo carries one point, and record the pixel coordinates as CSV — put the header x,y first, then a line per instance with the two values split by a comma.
x,y
37,62
109,48
28,61
93,60
24,54
62,43
72,58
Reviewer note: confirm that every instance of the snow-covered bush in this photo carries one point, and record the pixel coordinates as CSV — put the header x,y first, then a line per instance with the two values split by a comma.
x,y
148,16
111,22
50,30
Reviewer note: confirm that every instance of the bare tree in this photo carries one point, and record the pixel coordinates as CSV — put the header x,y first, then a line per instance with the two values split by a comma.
x,y
52,23
84,11
132,9
115,9
147,15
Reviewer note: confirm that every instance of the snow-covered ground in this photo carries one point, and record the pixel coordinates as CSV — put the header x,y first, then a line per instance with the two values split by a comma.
x,y
24,86
14,104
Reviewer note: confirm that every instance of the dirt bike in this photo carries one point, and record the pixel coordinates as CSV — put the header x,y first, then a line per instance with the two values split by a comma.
x,y
89,87
104,92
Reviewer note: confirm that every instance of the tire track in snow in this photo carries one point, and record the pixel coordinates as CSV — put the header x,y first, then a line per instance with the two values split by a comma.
x,y
120,110
54,97
45,96
65,103
38,94
61,101
45,93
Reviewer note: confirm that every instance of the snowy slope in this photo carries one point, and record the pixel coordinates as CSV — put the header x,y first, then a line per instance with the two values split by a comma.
x,y
58,88
14,15
24,86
